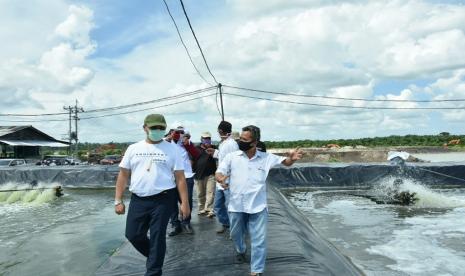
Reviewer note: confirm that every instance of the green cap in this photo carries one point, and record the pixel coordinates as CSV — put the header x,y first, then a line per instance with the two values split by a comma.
x,y
155,120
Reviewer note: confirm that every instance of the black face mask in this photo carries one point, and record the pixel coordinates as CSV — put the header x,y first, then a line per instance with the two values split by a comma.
x,y
244,146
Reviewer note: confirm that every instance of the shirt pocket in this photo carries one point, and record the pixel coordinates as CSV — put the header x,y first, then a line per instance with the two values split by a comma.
x,y
259,174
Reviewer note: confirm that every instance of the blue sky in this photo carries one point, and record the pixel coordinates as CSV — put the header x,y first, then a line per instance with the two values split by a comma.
x,y
131,24
125,52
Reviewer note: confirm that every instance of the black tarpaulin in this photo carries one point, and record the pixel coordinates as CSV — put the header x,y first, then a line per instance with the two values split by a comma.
x,y
366,174
294,248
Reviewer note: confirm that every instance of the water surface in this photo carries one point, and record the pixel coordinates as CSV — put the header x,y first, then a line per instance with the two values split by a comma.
x,y
70,235
425,239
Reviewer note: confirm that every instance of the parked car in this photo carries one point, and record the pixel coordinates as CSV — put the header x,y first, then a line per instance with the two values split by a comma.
x,y
111,159
12,162
73,161
57,160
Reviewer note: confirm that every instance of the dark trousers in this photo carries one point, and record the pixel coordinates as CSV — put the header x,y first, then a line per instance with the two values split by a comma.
x,y
152,212
175,222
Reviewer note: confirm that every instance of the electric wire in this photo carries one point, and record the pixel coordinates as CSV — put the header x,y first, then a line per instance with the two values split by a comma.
x,y
197,41
182,41
179,96
34,121
32,115
346,106
144,109
182,95
339,98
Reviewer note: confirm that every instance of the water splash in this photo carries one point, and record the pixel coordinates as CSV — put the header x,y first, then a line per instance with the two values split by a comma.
x,y
426,197
26,193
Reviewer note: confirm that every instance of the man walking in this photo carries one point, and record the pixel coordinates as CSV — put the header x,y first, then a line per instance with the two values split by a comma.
x,y
205,168
157,176
181,139
247,170
226,146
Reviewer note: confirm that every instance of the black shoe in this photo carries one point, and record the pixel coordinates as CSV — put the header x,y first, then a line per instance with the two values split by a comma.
x,y
186,228
176,231
240,258
222,229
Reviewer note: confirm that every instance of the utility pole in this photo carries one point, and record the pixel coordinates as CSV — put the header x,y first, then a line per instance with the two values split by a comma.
x,y
73,115
220,87
70,139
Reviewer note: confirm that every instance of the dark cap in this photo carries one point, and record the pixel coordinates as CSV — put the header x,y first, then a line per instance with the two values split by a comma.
x,y
225,126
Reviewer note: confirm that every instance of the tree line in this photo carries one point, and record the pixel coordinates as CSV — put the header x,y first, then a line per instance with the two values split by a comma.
x,y
389,141
439,140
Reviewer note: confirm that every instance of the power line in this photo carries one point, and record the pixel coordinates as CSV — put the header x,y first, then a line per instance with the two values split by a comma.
x,y
32,115
34,121
347,106
197,41
340,98
198,91
182,41
183,95
159,106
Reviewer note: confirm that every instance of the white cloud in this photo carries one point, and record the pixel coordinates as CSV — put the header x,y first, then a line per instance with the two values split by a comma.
x,y
64,64
60,69
333,48
76,28
435,52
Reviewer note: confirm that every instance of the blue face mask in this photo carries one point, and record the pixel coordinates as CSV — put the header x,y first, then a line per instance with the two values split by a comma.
x,y
206,141
156,135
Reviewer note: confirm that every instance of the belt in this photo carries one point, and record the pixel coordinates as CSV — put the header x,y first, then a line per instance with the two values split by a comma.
x,y
161,194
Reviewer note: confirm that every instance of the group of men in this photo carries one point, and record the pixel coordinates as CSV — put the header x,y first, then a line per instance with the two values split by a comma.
x,y
162,170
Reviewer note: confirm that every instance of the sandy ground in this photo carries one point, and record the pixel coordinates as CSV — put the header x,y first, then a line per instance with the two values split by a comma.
x,y
365,155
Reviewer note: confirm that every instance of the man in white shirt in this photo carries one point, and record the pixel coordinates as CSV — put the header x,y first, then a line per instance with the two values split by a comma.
x,y
247,170
157,175
227,145
181,138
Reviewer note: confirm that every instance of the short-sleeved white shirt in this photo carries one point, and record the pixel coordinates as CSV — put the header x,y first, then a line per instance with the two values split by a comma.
x,y
247,184
188,173
152,167
227,146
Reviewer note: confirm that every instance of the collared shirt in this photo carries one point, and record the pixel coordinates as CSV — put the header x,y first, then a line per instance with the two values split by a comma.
x,y
152,167
227,146
186,160
248,179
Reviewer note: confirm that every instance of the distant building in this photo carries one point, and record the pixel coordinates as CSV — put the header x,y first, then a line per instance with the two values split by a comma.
x,y
25,142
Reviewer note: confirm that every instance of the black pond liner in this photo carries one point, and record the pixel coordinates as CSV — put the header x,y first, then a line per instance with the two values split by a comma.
x,y
365,174
294,247
68,176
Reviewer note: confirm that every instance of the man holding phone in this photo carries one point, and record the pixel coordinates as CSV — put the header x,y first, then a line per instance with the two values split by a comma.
x,y
181,139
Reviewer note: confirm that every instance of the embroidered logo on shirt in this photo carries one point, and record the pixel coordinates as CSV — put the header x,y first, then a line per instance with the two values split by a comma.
x,y
155,157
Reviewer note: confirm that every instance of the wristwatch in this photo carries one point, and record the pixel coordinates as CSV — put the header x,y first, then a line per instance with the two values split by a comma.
x,y
118,202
